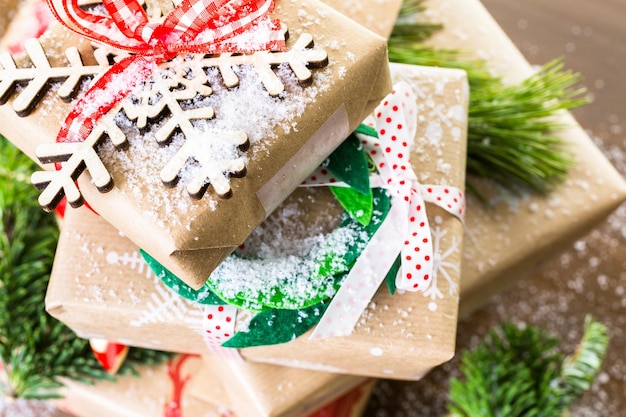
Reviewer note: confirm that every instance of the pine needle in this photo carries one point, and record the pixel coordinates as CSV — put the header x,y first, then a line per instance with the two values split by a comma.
x,y
511,137
35,348
411,7
519,372
581,369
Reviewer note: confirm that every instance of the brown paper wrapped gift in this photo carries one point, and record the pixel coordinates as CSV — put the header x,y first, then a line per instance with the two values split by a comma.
x,y
404,335
259,390
399,336
507,242
289,136
157,392
109,284
379,16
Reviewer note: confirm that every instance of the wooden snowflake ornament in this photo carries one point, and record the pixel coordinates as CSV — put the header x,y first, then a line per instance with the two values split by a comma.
x,y
41,74
300,58
169,101
207,150
75,158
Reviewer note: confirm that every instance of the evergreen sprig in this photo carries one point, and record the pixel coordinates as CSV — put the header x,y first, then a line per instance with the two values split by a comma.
x,y
520,372
510,128
580,369
411,7
35,348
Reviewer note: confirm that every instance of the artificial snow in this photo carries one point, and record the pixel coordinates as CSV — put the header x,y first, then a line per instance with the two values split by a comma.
x,y
273,258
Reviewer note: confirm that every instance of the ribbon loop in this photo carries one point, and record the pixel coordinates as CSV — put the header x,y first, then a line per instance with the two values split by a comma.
x,y
128,17
194,26
405,231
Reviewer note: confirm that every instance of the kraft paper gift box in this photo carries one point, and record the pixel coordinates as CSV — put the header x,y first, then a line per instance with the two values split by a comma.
x,y
158,391
262,390
379,16
288,135
108,289
398,336
402,336
167,391
507,242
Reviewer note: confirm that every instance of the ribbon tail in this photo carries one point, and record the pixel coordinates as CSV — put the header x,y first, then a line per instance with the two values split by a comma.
x,y
119,81
417,253
365,277
218,325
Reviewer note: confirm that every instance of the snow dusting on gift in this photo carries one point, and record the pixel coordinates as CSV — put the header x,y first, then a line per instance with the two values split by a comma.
x,y
215,324
105,273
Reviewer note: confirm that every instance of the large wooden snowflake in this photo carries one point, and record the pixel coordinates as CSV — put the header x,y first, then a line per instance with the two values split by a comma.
x,y
167,95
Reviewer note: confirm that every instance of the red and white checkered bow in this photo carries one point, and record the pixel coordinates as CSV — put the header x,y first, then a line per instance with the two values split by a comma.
x,y
194,26
207,26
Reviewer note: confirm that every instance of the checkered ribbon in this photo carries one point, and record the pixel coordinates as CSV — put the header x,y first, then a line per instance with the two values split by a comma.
x,y
405,231
194,26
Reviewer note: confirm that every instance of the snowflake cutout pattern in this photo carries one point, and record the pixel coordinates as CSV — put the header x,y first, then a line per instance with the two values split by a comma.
x,y
218,153
164,304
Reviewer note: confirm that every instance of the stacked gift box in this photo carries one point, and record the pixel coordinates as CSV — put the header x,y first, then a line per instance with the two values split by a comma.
x,y
136,272
185,386
89,283
508,241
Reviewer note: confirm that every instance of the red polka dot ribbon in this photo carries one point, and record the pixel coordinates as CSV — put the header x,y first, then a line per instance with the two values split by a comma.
x,y
193,26
218,325
405,231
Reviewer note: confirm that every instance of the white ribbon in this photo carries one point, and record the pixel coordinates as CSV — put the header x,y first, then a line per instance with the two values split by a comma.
x,y
218,325
404,231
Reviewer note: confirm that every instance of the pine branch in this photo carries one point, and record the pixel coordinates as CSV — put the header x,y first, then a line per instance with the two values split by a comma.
x,y
502,371
35,348
580,369
519,372
411,7
510,134
510,138
407,44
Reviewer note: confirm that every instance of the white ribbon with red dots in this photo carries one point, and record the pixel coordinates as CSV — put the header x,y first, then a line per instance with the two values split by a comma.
x,y
218,325
405,230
